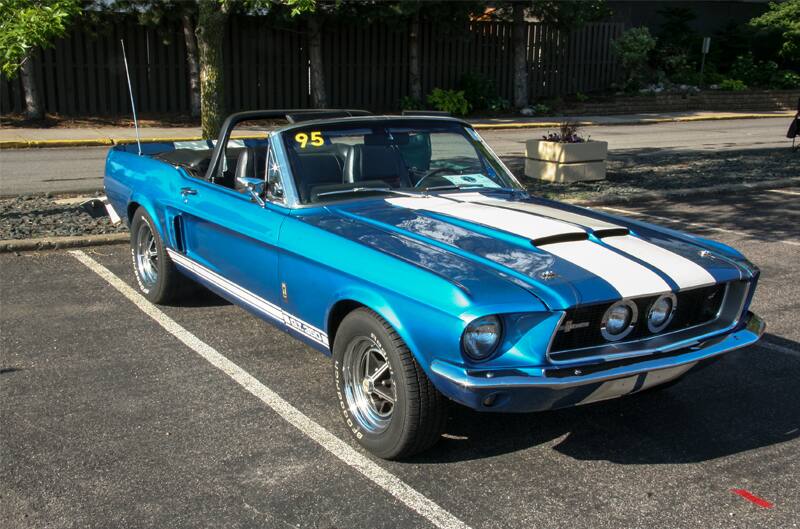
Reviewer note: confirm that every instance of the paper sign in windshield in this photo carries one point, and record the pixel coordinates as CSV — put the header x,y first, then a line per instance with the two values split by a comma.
x,y
469,180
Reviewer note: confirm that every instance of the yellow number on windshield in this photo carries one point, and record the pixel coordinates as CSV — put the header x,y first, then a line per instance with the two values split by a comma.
x,y
316,139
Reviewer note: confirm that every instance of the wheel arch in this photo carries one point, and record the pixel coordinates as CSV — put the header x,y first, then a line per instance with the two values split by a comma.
x,y
139,201
361,298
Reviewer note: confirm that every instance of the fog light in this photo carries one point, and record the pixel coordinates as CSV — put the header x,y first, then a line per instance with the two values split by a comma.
x,y
619,320
661,312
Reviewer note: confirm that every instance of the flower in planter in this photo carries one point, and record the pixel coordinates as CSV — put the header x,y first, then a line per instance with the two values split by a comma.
x,y
567,133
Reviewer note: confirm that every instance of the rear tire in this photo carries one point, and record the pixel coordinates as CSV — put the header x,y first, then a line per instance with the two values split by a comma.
x,y
385,399
158,279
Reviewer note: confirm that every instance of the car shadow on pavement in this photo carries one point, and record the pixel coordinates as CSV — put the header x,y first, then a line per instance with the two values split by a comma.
x,y
745,401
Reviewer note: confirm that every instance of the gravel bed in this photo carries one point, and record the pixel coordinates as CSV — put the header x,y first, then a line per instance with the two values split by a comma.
x,y
36,216
629,175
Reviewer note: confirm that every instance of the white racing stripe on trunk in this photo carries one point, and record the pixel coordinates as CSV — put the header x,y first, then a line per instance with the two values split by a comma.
x,y
628,277
384,479
536,209
519,223
684,272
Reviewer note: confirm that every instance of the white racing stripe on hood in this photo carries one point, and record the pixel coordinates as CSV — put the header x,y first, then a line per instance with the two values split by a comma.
x,y
628,277
684,272
516,222
536,209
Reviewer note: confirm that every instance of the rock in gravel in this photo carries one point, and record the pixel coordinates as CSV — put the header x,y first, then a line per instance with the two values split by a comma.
x,y
37,216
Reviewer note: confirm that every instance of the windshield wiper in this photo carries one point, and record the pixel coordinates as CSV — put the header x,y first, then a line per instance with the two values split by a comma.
x,y
367,190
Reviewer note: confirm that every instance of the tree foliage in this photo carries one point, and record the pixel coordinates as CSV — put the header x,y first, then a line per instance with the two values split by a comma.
x,y
28,24
633,49
783,18
569,15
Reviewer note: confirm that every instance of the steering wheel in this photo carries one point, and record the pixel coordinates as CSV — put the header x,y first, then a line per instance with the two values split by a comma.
x,y
432,172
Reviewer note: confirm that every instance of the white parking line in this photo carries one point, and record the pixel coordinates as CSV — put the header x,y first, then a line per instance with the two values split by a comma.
x,y
784,192
695,224
346,453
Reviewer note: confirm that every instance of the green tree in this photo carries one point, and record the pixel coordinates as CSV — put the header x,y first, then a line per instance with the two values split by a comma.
x,y
25,27
633,49
211,22
783,18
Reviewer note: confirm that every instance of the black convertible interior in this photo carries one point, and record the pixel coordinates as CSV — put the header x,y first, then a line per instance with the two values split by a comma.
x,y
374,163
239,161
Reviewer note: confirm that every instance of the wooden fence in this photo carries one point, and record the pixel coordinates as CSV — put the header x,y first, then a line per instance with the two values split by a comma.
x,y
366,66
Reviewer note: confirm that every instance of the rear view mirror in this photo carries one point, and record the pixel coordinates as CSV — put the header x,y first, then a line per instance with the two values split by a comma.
x,y
254,186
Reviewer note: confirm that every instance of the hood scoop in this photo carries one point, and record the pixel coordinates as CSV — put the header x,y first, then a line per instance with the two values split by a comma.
x,y
571,237
561,237
611,232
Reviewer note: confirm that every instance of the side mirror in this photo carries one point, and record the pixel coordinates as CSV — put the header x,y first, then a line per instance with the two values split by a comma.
x,y
254,186
275,190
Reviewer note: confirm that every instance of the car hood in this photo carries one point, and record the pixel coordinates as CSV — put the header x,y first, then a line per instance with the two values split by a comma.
x,y
563,254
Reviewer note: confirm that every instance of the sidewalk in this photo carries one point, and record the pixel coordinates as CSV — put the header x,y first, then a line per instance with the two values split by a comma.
x,y
17,138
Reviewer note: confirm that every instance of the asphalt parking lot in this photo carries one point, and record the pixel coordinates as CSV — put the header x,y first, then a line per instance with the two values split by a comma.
x,y
109,420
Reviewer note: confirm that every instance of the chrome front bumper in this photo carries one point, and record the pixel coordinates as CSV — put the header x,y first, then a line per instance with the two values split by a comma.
x,y
558,387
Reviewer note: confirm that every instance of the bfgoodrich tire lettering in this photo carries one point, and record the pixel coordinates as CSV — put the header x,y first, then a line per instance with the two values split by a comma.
x,y
158,279
367,347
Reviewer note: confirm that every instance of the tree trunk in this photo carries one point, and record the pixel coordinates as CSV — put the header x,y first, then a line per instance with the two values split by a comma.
x,y
34,107
210,35
520,57
319,96
192,63
414,78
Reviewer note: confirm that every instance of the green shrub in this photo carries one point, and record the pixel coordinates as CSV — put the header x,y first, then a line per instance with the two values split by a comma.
x,y
499,104
478,89
580,97
751,72
633,48
540,109
733,85
452,101
410,103
785,79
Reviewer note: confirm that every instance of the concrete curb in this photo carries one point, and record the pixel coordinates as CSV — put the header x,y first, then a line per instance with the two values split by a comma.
x,y
99,142
643,121
57,243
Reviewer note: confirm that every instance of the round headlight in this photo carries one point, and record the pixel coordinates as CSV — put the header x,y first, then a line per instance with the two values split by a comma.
x,y
619,320
660,313
481,337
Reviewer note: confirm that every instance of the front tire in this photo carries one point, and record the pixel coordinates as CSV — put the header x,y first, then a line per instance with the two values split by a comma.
x,y
386,400
158,279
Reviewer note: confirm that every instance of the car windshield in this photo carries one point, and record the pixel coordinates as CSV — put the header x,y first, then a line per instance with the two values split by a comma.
x,y
339,161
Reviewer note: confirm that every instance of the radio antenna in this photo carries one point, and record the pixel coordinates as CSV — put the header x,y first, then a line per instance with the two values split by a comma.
x,y
130,91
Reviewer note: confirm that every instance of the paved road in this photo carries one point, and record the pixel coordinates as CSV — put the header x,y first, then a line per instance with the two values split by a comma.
x,y
107,420
81,169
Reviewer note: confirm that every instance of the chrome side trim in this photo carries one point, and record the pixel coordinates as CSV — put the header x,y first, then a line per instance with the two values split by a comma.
x,y
487,380
250,299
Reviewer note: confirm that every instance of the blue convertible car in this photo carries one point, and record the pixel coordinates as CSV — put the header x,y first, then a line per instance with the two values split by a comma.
x,y
405,249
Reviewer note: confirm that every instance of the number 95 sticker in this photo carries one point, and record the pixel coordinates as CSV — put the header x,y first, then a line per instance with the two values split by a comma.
x,y
315,139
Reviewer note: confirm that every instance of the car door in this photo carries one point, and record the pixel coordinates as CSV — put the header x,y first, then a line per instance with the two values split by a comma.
x,y
231,240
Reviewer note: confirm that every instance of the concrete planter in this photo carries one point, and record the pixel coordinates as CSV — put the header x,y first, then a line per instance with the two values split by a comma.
x,y
566,162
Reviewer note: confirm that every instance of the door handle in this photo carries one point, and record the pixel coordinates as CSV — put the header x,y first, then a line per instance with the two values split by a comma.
x,y
186,191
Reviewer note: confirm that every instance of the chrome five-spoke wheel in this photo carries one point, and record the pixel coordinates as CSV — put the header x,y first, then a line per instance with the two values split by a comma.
x,y
369,384
146,250
386,400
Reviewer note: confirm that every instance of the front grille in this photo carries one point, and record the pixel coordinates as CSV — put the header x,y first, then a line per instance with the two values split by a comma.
x,y
694,307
